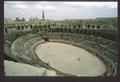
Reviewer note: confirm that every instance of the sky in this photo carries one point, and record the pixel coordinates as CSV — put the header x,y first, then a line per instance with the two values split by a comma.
x,y
59,10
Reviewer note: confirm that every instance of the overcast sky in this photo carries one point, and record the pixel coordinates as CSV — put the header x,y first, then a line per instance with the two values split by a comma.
x,y
59,10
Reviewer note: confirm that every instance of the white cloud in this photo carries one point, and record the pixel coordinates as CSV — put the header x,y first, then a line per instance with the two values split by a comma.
x,y
112,5
20,11
47,7
93,4
14,2
43,2
20,6
17,4
39,6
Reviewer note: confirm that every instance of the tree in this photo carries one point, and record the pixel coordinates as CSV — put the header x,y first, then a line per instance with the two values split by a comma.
x,y
23,19
17,19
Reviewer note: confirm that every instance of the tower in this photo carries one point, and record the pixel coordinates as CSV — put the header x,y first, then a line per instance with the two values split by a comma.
x,y
43,17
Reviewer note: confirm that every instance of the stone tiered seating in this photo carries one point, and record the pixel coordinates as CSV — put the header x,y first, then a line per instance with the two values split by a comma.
x,y
19,52
23,47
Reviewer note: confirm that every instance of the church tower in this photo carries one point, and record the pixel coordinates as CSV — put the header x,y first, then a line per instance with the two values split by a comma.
x,y
43,16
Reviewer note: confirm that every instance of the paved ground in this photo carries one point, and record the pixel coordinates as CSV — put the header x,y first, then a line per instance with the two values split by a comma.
x,y
20,69
70,59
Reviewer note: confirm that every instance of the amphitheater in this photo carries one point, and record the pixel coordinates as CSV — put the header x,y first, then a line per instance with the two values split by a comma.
x,y
53,50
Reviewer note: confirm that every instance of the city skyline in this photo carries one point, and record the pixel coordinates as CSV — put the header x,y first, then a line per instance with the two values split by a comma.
x,y
59,10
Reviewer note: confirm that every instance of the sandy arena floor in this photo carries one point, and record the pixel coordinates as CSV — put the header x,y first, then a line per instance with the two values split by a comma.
x,y
70,59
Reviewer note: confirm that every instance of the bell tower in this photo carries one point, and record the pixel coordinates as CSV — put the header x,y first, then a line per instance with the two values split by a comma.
x,y
43,15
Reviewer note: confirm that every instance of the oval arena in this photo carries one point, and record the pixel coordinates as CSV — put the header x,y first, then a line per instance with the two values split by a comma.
x,y
70,59
65,57
53,48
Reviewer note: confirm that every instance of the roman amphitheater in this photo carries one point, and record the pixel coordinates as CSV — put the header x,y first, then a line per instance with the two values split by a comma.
x,y
60,48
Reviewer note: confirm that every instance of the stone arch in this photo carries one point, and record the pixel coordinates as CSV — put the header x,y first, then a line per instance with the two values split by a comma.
x,y
74,28
93,27
61,29
61,25
49,26
69,29
31,26
22,27
98,27
65,29
77,30
88,26
45,29
79,25
53,25
57,29
18,27
9,27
